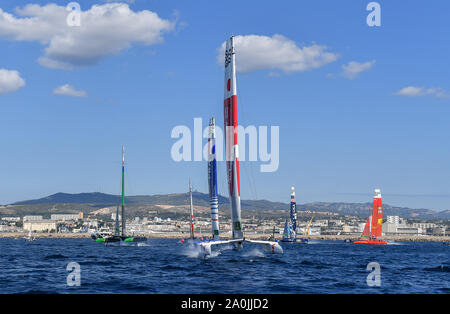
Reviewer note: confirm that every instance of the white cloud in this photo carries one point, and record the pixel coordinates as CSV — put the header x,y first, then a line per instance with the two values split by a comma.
x,y
255,52
105,30
10,81
353,68
412,91
68,90
129,1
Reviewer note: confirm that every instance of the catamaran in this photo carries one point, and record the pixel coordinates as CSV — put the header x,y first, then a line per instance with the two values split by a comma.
x,y
121,236
192,239
232,159
290,227
212,184
30,236
374,224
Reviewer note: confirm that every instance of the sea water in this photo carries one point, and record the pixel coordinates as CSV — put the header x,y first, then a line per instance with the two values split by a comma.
x,y
167,266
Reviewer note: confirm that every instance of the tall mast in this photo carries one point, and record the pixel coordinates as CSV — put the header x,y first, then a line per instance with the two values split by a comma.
x,y
212,179
123,191
377,215
192,211
231,139
293,211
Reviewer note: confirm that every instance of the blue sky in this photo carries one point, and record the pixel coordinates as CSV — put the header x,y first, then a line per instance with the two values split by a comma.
x,y
340,136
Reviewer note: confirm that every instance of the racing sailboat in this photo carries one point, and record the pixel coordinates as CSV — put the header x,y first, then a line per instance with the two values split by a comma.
x,y
121,236
290,227
192,238
212,183
232,159
212,180
30,236
373,227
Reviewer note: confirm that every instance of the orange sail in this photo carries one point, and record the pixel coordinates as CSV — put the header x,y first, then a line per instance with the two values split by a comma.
x,y
374,225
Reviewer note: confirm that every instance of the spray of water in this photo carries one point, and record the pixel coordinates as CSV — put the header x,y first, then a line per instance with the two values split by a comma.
x,y
255,252
191,251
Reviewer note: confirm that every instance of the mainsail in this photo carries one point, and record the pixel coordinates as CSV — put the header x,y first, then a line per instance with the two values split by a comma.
x,y
192,211
212,179
287,231
377,215
293,212
231,139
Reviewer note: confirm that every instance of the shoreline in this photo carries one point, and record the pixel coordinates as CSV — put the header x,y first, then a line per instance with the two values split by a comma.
x,y
174,235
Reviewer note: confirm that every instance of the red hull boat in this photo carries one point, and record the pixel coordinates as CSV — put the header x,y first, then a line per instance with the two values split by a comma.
x,y
372,229
374,242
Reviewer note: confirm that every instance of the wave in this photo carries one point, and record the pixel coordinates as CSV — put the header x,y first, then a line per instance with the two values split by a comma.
x,y
55,256
441,268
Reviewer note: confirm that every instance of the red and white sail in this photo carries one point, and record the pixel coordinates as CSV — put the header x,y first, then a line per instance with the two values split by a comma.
x,y
232,160
231,138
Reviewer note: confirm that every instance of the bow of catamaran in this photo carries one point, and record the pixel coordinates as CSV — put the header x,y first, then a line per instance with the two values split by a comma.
x,y
232,159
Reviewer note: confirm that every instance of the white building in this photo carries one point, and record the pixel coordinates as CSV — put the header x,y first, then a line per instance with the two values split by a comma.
x,y
404,230
390,228
32,218
424,225
393,220
113,216
11,219
65,217
46,225
321,223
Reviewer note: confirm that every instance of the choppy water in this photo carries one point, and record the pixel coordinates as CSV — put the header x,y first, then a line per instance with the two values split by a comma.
x,y
166,266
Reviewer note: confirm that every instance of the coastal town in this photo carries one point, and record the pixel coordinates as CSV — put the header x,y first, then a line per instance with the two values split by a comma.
x,y
160,224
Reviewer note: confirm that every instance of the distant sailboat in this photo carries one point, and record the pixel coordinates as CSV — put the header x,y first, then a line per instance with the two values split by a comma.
x,y
122,236
290,227
30,236
192,239
373,227
191,207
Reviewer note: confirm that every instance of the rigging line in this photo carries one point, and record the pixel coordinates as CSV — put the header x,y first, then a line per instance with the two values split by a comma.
x,y
249,178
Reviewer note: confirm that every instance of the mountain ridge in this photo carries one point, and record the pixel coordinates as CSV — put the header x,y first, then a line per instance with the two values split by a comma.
x,y
202,199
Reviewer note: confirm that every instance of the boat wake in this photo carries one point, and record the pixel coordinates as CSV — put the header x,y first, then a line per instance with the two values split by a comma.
x,y
191,251
255,252
314,242
394,243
